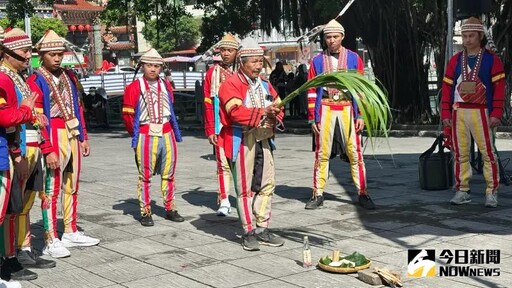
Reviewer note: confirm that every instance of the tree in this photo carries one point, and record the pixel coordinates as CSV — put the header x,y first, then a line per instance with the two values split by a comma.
x,y
236,17
502,31
184,36
161,19
17,9
39,26
397,33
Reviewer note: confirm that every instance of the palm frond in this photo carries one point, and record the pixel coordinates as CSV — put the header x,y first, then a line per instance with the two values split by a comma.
x,y
370,98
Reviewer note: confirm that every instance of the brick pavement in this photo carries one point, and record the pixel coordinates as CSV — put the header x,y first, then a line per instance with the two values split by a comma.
x,y
205,250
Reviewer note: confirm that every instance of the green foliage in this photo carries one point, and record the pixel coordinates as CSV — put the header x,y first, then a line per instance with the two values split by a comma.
x,y
356,257
371,100
185,35
236,17
167,26
114,17
16,10
39,26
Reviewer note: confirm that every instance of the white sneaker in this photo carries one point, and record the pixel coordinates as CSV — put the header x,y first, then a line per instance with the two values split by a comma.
x,y
56,249
9,284
225,208
460,198
491,200
78,239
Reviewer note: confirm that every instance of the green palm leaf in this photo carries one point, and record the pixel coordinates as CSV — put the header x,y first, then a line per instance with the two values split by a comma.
x,y
371,100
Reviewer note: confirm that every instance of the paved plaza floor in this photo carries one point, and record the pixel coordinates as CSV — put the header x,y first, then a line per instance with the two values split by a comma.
x,y
205,250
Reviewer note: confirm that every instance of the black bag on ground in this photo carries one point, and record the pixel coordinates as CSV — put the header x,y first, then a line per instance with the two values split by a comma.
x,y
436,168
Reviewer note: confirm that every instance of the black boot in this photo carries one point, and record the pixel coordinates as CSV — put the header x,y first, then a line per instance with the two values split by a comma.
x,y
147,220
366,202
29,259
174,216
315,202
12,270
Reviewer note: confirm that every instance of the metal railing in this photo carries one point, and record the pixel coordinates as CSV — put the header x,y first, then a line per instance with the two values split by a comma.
x,y
114,84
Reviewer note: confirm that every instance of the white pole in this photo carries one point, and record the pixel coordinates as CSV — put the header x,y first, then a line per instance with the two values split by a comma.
x,y
27,26
28,30
449,35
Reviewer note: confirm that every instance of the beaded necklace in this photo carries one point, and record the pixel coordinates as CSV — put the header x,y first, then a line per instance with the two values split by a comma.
x,y
253,94
328,67
22,87
18,81
471,76
153,116
220,74
65,85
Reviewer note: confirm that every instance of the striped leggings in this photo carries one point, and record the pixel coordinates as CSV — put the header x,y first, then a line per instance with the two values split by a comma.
x,y
23,234
16,227
65,178
330,114
473,121
156,155
223,173
254,177
5,220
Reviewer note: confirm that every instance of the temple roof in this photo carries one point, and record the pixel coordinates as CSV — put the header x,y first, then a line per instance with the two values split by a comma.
x,y
78,5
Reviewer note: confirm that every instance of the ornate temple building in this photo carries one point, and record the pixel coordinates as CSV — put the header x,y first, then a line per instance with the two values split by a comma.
x,y
118,43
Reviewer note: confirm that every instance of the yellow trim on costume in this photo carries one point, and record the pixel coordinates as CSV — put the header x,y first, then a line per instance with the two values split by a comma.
x,y
208,100
39,110
311,105
498,77
2,101
448,81
167,165
325,130
128,110
264,203
233,102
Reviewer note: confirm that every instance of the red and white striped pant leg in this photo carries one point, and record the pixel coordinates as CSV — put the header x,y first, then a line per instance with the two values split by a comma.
x,y
5,190
352,142
6,181
168,154
461,136
262,202
242,177
70,188
484,138
33,154
54,180
323,149
145,155
223,173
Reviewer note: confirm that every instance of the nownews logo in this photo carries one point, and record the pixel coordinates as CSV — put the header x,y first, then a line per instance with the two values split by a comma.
x,y
422,263
453,263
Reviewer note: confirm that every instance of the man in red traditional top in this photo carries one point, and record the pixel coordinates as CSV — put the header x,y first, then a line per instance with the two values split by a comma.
x,y
149,118
473,96
16,56
249,115
28,175
58,100
215,76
